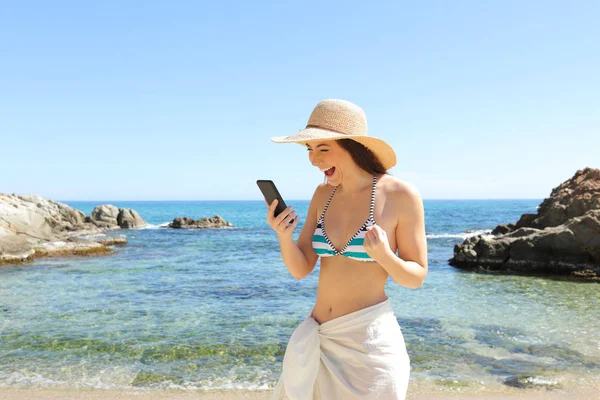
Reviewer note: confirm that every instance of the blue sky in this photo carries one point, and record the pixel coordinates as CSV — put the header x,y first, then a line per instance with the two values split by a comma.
x,y
178,100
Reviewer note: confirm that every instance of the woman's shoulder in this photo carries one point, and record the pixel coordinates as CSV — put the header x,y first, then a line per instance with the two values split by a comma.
x,y
323,190
398,189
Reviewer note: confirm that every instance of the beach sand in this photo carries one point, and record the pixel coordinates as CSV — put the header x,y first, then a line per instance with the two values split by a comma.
x,y
582,393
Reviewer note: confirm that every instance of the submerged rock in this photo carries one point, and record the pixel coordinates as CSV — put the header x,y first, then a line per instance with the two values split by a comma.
x,y
528,382
101,238
202,223
563,238
32,226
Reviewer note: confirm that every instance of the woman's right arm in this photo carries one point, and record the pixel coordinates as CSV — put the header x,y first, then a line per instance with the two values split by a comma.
x,y
299,258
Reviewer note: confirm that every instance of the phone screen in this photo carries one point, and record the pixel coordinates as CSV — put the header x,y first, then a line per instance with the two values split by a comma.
x,y
270,193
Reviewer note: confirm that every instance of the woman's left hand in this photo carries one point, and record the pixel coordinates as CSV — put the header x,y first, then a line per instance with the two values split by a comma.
x,y
376,242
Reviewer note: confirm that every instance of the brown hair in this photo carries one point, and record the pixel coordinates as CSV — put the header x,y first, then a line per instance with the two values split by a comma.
x,y
362,156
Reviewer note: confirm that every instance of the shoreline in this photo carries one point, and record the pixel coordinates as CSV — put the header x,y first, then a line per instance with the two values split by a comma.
x,y
589,392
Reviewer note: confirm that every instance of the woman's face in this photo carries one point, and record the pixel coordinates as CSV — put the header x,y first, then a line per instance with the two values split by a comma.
x,y
330,158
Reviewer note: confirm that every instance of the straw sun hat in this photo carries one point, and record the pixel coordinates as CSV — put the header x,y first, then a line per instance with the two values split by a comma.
x,y
339,119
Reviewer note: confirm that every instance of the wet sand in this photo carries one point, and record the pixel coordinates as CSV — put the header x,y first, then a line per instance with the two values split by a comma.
x,y
582,393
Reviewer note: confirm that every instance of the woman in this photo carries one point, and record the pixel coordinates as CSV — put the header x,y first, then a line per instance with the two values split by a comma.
x,y
350,346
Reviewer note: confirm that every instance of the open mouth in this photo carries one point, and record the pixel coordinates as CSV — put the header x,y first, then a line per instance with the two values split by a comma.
x,y
329,172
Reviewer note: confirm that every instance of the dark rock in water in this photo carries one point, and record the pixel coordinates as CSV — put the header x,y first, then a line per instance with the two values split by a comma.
x,y
32,227
526,382
202,223
503,229
563,238
573,198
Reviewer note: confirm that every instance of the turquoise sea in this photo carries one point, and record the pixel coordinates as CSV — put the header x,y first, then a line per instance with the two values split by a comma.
x,y
214,309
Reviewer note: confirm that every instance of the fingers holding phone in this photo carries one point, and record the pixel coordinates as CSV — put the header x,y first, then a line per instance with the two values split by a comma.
x,y
284,222
281,218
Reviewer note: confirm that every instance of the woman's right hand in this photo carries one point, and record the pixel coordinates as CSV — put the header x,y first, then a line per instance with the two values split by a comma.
x,y
280,223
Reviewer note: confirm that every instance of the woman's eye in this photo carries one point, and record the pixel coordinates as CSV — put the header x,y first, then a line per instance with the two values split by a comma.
x,y
324,151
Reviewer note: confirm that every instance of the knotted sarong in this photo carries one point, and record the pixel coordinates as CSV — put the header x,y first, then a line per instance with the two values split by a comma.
x,y
361,355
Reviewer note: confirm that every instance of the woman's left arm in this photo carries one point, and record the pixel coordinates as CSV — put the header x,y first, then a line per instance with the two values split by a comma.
x,y
409,267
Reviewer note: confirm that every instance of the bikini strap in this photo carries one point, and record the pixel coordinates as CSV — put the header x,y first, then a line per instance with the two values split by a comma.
x,y
372,207
328,201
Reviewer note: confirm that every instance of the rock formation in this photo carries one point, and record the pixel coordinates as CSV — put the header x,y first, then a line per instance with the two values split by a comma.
x,y
104,216
108,216
128,219
202,223
32,226
563,238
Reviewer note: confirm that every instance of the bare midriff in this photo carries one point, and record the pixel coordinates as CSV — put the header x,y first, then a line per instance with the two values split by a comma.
x,y
347,285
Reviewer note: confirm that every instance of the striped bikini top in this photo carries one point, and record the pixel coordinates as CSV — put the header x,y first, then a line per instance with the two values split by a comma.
x,y
354,248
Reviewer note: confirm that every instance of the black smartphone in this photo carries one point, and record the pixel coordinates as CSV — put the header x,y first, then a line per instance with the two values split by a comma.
x,y
270,192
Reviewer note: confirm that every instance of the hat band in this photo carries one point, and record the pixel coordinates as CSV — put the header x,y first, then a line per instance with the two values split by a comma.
x,y
331,130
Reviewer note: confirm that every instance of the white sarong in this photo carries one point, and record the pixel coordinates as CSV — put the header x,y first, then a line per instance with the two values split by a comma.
x,y
361,355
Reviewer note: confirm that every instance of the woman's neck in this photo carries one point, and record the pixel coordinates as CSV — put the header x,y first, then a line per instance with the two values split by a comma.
x,y
355,181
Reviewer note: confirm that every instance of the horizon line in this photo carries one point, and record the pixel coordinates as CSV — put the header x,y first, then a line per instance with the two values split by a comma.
x,y
290,200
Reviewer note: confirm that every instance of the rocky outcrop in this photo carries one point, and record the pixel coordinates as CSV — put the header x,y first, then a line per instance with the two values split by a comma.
x,y
573,198
202,223
129,219
104,216
32,226
108,216
563,238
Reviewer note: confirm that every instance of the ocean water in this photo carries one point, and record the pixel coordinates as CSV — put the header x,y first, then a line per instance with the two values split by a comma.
x,y
214,309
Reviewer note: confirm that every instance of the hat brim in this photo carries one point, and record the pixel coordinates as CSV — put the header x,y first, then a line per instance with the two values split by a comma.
x,y
379,147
